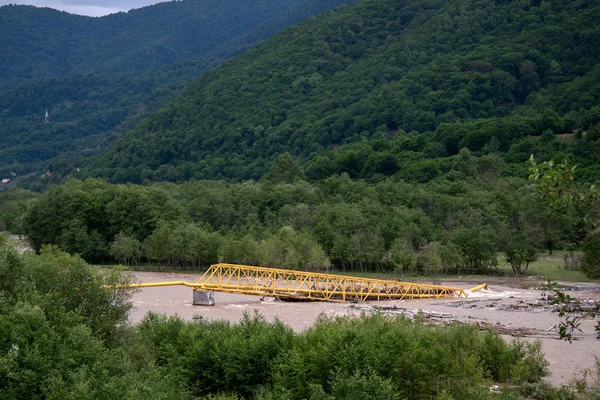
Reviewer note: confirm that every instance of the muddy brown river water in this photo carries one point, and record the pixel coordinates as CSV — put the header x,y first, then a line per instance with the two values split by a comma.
x,y
507,306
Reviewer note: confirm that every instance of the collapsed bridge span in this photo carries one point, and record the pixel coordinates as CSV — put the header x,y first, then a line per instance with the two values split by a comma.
x,y
302,285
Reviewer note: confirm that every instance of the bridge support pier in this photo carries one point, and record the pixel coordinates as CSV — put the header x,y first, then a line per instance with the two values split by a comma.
x,y
204,298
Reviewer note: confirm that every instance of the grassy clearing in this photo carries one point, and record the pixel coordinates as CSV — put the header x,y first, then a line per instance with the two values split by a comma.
x,y
547,267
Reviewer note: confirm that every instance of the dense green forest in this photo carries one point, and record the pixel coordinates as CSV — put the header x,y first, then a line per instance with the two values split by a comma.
x,y
13,205
444,226
96,87
44,43
385,87
65,336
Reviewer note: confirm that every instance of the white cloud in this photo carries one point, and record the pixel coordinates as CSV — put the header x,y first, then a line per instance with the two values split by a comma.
x,y
94,8
92,11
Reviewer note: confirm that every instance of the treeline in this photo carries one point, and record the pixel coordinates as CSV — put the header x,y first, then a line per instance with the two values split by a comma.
x,y
189,245
65,336
284,221
371,357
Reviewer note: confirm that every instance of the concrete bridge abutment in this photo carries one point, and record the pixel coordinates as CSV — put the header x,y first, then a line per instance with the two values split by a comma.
x,y
204,298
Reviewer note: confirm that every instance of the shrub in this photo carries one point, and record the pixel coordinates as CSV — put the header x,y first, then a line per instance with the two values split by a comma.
x,y
519,253
590,264
417,359
63,334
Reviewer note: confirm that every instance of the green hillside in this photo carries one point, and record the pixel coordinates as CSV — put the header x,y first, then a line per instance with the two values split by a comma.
x,y
89,106
42,42
87,112
419,79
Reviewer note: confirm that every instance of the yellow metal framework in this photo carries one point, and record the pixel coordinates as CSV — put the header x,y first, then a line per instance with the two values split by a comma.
x,y
300,285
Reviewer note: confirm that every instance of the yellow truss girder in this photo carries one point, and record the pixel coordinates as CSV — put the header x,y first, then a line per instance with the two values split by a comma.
x,y
291,284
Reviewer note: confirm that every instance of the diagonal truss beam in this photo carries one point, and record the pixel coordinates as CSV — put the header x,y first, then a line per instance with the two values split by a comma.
x,y
301,285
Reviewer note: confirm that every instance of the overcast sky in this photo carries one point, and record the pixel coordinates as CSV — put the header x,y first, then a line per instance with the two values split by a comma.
x,y
93,8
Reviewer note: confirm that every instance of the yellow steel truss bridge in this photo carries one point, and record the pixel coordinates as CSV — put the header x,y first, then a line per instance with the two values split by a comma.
x,y
300,285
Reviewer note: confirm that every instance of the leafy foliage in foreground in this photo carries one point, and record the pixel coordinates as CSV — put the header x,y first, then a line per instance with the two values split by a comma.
x,y
437,76
64,336
562,194
572,311
372,357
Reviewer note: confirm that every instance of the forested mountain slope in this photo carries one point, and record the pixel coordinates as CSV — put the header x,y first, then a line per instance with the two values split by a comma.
x,y
480,74
89,109
42,42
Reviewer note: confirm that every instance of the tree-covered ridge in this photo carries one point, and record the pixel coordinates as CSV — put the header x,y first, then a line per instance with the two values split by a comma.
x,y
41,42
373,69
88,110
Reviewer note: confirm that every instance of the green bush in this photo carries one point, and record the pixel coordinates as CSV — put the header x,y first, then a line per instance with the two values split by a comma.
x,y
519,253
417,359
216,356
339,358
590,264
359,386
63,334
3,239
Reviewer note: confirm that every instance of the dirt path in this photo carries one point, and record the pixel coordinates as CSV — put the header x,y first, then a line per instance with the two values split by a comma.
x,y
505,306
